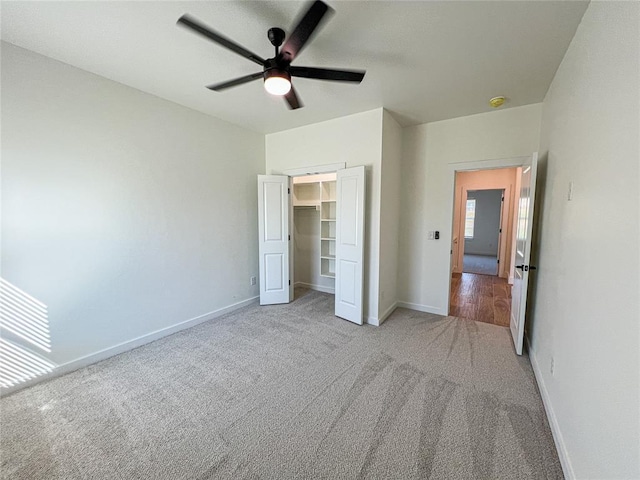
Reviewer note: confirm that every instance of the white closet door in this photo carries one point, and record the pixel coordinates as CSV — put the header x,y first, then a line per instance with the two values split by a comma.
x,y
350,195
273,246
524,228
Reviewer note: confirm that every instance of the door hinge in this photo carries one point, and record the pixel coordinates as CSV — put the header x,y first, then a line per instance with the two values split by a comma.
x,y
289,237
498,260
500,231
502,199
288,191
289,282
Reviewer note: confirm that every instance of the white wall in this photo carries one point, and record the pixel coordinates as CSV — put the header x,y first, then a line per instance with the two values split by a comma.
x,y
389,214
122,212
355,140
427,195
587,308
486,223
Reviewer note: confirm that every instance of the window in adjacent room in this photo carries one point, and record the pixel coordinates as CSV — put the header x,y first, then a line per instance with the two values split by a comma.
x,y
470,218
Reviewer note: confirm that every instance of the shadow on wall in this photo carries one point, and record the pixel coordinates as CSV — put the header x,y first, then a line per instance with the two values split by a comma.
x,y
536,236
24,327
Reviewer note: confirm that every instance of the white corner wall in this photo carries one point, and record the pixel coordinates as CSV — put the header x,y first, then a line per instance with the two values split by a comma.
x,y
428,193
389,215
355,140
124,213
586,306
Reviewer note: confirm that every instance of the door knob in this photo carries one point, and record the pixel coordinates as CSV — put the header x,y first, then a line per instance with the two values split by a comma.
x,y
526,268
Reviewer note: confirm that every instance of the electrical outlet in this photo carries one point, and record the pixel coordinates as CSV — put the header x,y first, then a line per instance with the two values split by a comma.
x,y
552,366
253,280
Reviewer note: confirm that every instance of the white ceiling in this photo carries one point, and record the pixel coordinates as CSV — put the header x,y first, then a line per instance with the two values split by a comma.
x,y
425,61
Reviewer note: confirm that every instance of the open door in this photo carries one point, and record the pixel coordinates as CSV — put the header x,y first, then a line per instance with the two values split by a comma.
x,y
524,228
350,196
273,246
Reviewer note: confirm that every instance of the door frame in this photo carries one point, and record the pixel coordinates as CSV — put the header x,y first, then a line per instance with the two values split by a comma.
x,y
503,254
312,170
472,165
300,172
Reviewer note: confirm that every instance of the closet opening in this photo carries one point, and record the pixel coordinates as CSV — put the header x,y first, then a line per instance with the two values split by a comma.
x,y
311,236
314,239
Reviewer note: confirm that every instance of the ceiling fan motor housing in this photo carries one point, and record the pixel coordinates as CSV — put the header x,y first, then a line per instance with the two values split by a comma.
x,y
276,72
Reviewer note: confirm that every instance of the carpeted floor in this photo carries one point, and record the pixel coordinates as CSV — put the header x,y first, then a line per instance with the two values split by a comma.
x,y
481,264
291,391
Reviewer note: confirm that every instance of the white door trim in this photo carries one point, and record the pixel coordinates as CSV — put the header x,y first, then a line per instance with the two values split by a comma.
x,y
504,225
329,168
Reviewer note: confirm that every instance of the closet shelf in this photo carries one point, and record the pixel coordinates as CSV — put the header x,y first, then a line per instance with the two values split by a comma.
x,y
328,274
328,257
327,219
333,239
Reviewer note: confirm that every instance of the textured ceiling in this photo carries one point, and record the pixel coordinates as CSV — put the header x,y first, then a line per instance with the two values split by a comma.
x,y
425,61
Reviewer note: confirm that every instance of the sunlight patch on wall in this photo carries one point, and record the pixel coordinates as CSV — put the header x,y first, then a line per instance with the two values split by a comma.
x,y
25,318
18,365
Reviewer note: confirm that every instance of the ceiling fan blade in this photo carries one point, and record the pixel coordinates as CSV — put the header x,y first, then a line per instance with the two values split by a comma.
x,y
236,81
328,74
292,99
303,31
205,31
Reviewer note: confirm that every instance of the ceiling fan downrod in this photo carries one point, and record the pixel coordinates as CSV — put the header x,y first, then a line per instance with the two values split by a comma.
x,y
276,37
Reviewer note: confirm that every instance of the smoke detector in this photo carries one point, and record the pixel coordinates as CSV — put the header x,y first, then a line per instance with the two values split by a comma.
x,y
496,102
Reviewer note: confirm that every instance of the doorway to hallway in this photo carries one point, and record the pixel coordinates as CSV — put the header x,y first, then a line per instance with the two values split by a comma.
x,y
484,214
515,250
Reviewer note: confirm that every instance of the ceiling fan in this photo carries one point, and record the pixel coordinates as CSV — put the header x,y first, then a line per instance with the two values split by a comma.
x,y
277,71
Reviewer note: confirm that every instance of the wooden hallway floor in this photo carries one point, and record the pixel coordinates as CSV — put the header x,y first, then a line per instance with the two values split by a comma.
x,y
483,298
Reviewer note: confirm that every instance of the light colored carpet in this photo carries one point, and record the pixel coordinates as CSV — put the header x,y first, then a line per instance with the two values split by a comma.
x,y
291,392
482,264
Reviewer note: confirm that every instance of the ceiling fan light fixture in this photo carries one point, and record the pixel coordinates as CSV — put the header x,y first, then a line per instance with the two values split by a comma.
x,y
277,82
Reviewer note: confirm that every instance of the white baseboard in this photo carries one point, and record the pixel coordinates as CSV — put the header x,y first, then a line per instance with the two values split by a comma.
x,y
92,358
387,313
565,462
422,308
319,288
